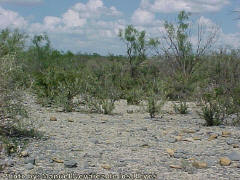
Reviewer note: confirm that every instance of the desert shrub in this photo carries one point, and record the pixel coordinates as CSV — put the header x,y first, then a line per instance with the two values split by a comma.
x,y
214,108
134,96
154,105
178,87
221,91
181,108
211,114
96,105
108,106
57,86
136,45
13,79
155,97
9,101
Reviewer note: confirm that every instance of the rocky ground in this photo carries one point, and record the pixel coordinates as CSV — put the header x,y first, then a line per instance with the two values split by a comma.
x,y
126,145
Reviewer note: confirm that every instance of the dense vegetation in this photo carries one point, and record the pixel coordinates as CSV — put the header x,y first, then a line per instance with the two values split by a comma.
x,y
177,71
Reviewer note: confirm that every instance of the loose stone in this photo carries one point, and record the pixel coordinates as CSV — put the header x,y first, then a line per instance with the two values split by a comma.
x,y
199,165
70,164
224,161
234,156
53,118
29,166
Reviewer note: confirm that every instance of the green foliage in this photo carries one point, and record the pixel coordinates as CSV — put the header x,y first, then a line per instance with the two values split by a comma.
x,y
178,72
181,108
155,98
108,106
211,114
11,42
155,105
12,82
136,47
134,96
55,85
180,44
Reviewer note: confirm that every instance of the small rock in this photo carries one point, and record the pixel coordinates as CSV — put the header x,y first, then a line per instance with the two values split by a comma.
x,y
53,118
170,151
196,138
70,164
144,129
171,140
145,146
235,165
54,159
189,131
24,154
212,137
192,159
70,120
230,142
94,141
234,156
30,161
10,163
165,133
175,133
199,165
178,138
106,166
188,139
224,161
226,134
85,165
29,166
235,146
179,155
175,166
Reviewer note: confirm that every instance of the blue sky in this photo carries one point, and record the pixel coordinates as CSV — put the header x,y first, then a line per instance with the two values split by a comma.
x,y
93,25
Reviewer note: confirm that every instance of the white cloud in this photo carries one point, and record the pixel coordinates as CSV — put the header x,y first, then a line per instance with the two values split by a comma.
x,y
72,19
51,21
22,2
229,40
94,9
77,17
168,6
143,17
88,23
92,26
11,19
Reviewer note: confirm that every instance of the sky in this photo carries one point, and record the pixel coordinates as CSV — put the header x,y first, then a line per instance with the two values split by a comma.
x,y
92,26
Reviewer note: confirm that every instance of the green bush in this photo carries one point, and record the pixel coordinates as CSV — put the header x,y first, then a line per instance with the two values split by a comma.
x,y
108,106
133,96
211,114
13,130
181,108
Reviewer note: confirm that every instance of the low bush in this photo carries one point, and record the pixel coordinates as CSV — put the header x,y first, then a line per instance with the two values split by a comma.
x,y
181,108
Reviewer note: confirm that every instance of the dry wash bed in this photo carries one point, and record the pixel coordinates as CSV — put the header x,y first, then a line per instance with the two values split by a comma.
x,y
126,146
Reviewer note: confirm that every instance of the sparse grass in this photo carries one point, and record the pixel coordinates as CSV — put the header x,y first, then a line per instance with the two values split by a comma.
x,y
181,108
108,106
211,114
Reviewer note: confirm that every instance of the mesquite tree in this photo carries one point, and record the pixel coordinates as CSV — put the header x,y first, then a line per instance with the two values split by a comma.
x,y
136,47
177,44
